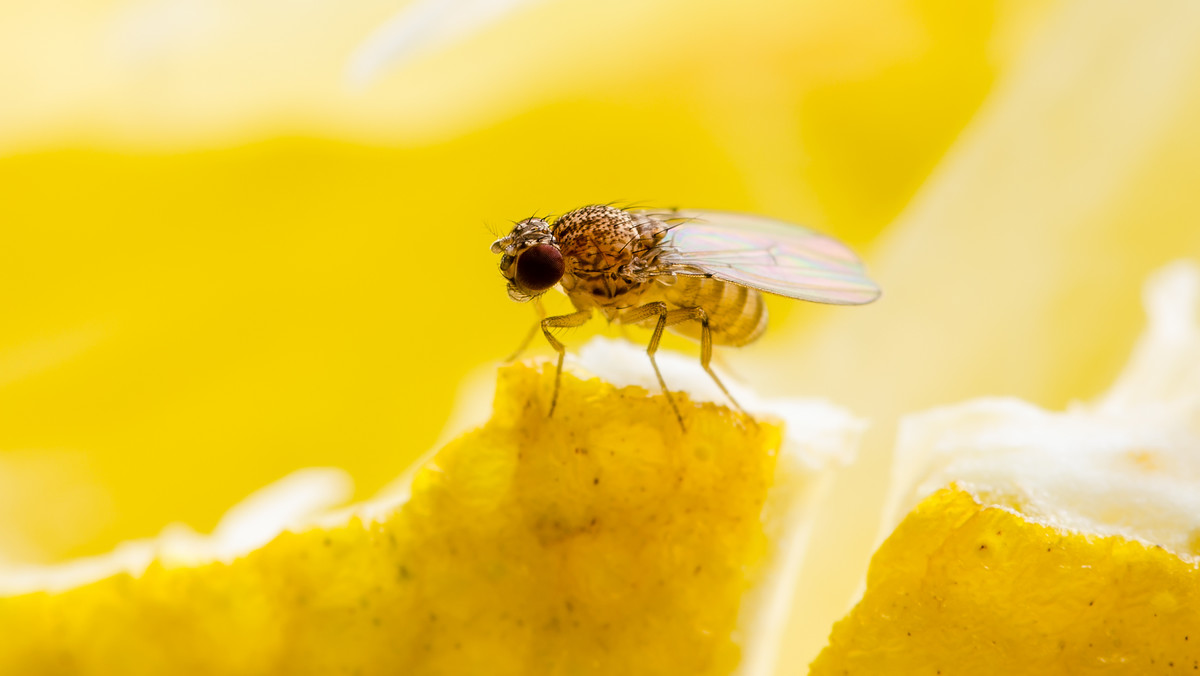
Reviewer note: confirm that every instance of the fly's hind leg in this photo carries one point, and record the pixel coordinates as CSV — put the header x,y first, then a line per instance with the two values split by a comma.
x,y
561,321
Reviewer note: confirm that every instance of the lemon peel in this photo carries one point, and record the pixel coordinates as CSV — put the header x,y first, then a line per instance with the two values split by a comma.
x,y
1047,542
965,588
603,540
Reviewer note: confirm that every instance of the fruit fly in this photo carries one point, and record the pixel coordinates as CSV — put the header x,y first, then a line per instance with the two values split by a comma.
x,y
698,273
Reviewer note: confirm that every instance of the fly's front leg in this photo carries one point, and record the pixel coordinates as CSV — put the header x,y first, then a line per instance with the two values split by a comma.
x,y
643,312
561,321
541,313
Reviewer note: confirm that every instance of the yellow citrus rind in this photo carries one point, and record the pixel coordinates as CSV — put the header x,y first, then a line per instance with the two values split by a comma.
x,y
962,587
602,540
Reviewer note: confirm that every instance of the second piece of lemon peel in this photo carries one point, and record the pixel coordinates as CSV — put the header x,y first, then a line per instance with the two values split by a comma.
x,y
1047,542
1127,465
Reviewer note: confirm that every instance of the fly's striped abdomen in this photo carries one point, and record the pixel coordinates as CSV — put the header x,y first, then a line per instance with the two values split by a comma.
x,y
737,314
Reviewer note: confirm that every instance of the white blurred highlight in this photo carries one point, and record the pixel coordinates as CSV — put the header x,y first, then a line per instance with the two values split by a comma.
x,y
1164,373
290,503
424,27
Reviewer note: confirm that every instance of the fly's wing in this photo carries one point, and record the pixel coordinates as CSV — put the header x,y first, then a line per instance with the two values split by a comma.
x,y
763,254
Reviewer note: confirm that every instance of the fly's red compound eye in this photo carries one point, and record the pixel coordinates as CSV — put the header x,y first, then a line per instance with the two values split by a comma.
x,y
539,267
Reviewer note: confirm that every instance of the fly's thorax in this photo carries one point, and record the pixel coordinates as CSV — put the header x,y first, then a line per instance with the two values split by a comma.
x,y
737,315
601,238
608,253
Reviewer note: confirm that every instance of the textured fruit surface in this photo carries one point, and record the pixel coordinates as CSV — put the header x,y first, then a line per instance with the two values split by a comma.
x,y
963,588
602,540
1047,542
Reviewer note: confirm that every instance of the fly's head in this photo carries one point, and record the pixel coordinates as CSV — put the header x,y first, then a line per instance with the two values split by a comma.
x,y
530,259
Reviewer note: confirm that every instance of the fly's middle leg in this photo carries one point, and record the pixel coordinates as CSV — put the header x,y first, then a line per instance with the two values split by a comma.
x,y
671,317
665,318
561,321
706,353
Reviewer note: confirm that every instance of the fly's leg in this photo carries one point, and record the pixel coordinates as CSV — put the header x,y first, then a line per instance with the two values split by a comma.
x,y
561,321
682,315
541,312
706,355
646,311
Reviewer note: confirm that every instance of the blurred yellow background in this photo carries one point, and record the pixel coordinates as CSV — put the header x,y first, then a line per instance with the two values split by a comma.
x,y
222,262
221,259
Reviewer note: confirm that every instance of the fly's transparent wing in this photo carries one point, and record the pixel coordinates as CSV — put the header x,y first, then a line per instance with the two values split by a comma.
x,y
764,254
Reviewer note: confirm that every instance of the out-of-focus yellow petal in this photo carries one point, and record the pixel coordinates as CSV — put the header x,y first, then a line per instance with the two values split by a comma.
x,y
1016,269
791,93
181,326
181,330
